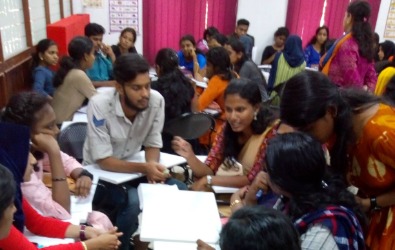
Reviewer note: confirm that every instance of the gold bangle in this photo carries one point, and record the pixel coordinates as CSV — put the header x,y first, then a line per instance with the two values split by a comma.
x,y
84,245
59,179
234,203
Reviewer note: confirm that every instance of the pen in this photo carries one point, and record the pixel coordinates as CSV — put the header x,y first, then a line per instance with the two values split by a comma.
x,y
259,194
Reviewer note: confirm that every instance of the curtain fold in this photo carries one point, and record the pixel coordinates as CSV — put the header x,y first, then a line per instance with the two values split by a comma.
x,y
303,18
334,16
222,15
166,21
375,4
336,10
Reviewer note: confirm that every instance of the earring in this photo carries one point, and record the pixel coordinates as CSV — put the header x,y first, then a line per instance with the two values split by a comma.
x,y
255,114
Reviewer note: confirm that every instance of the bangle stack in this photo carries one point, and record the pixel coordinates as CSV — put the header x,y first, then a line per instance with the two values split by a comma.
x,y
82,233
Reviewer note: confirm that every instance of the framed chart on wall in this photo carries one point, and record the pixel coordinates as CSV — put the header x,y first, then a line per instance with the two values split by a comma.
x,y
123,14
389,30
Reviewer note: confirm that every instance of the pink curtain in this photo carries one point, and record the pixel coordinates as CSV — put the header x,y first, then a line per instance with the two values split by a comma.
x,y
222,15
375,4
334,16
336,10
165,21
303,18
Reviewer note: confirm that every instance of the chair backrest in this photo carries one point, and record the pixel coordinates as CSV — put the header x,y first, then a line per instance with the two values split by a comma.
x,y
190,125
71,139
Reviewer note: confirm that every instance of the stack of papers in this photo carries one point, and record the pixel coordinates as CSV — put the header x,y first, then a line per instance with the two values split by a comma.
x,y
178,216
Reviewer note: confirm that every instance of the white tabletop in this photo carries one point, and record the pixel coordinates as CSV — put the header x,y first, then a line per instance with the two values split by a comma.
x,y
181,216
168,160
164,245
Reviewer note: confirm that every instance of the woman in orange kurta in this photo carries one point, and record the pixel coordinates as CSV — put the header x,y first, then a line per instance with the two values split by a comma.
x,y
363,148
373,172
219,73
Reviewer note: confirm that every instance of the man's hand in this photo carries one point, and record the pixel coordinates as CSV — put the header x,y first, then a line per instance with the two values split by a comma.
x,y
155,172
83,186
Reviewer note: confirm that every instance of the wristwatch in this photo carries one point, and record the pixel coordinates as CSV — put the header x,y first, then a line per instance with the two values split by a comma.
x,y
209,180
373,204
85,172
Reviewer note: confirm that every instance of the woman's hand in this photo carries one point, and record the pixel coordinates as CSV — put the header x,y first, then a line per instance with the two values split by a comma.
x,y
200,185
182,147
364,203
240,196
201,245
83,186
91,232
192,53
260,183
105,241
45,143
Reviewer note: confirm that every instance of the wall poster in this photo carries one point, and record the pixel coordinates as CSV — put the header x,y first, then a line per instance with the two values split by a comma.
x,y
123,13
389,31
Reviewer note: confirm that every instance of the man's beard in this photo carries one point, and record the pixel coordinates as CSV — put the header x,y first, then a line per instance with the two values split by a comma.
x,y
130,104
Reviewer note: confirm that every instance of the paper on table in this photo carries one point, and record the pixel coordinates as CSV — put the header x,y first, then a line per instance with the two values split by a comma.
x,y
185,216
168,160
224,190
164,245
45,241
83,109
148,191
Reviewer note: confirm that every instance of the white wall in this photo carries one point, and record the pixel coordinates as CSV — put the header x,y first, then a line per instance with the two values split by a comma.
x,y
264,19
101,16
382,18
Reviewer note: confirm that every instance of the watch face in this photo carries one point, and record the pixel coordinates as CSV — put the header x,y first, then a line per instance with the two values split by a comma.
x,y
209,179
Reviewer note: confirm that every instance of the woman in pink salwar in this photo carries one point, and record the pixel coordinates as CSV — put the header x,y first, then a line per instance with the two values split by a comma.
x,y
349,62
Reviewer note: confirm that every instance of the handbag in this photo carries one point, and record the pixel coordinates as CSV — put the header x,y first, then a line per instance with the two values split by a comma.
x,y
109,198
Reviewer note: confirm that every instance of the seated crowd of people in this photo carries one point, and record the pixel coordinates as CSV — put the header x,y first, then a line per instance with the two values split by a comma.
x,y
311,150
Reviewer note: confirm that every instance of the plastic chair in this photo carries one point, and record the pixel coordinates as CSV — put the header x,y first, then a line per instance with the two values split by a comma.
x,y
190,125
71,140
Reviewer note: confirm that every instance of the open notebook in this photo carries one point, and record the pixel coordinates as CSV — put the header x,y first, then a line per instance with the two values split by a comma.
x,y
178,216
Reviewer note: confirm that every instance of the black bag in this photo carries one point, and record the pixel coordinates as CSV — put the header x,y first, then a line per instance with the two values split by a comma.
x,y
109,198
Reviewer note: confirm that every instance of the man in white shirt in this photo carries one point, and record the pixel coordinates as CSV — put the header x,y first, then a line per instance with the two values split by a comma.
x,y
119,123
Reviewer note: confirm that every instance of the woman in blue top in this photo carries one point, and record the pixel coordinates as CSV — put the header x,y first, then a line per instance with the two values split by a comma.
x,y
191,58
316,47
46,55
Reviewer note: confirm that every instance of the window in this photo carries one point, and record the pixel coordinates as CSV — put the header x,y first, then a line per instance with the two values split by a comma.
x,y
37,20
13,34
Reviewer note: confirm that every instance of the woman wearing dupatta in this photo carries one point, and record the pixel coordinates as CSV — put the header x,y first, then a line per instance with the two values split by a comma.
x,y
383,80
14,151
286,64
349,62
237,155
